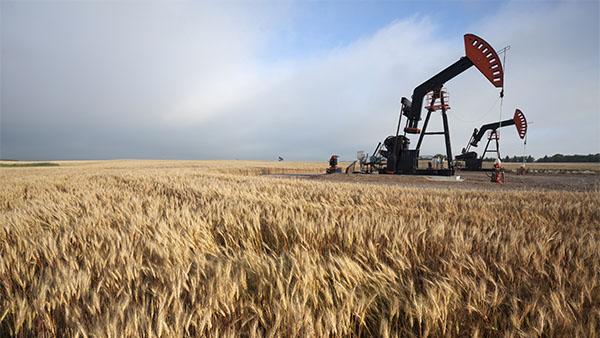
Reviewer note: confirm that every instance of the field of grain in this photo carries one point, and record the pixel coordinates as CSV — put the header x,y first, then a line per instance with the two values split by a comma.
x,y
206,248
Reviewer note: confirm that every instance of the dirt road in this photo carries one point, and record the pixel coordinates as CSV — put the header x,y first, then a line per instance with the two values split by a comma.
x,y
472,180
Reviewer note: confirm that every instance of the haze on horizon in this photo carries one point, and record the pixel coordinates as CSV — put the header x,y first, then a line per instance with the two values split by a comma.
x,y
301,80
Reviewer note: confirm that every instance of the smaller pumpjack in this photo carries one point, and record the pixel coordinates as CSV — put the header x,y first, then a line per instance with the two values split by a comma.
x,y
333,165
472,162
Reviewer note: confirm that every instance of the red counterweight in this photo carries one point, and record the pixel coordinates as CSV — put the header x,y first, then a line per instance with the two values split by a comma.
x,y
520,123
485,59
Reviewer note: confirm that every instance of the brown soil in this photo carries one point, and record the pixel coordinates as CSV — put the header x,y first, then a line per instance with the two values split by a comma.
x,y
472,180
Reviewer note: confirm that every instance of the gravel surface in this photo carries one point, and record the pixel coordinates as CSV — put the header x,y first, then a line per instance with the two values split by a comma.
x,y
472,180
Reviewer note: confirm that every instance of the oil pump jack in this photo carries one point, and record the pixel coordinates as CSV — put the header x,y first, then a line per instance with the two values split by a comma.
x,y
401,159
472,162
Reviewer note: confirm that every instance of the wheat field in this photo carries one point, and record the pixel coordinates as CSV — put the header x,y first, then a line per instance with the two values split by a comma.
x,y
199,249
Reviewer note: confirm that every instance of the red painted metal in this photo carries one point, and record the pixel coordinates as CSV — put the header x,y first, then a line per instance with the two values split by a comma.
x,y
485,58
434,99
520,123
412,130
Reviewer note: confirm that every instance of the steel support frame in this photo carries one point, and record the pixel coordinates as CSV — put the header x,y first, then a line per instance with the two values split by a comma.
x,y
497,150
446,131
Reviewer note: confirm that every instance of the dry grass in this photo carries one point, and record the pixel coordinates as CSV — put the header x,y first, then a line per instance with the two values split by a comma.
x,y
179,249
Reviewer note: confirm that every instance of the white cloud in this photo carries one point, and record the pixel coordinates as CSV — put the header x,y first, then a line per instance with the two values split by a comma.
x,y
348,100
552,74
188,81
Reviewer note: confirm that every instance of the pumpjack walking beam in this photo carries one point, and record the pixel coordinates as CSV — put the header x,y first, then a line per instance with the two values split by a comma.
x,y
479,54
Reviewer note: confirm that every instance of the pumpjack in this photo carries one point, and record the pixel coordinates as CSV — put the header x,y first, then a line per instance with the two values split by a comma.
x,y
401,159
470,158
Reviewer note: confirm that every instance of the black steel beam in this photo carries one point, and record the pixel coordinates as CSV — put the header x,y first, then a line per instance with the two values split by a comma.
x,y
490,126
436,82
447,137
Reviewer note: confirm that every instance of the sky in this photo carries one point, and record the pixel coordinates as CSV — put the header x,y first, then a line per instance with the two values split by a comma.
x,y
255,80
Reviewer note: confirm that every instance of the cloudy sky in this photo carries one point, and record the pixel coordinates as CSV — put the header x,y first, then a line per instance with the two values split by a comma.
x,y
302,80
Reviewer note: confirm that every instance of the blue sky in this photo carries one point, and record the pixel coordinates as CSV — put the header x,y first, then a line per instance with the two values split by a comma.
x,y
315,27
302,80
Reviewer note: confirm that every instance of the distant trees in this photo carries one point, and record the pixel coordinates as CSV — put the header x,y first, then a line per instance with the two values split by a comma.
x,y
518,159
429,157
570,158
